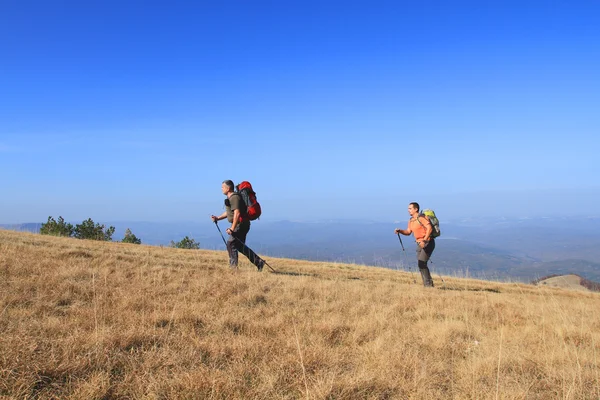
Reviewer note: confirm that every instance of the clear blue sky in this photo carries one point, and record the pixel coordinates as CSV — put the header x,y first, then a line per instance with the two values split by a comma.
x,y
122,110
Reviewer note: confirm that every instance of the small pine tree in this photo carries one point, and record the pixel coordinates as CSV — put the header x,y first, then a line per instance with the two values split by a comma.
x,y
186,243
131,238
57,228
89,230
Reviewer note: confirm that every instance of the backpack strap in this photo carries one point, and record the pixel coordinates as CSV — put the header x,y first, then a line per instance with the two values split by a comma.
x,y
243,215
236,193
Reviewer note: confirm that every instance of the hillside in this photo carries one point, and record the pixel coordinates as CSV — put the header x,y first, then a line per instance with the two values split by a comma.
x,y
84,320
480,248
569,281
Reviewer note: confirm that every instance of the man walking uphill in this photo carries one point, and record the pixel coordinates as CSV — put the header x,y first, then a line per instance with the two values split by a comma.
x,y
236,214
420,226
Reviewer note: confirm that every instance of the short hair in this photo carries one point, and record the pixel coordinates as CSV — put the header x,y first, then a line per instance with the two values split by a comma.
x,y
229,184
415,205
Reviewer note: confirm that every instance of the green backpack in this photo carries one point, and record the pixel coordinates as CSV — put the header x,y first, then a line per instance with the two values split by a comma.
x,y
435,223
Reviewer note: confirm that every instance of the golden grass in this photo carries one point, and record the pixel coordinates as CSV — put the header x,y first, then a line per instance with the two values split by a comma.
x,y
92,320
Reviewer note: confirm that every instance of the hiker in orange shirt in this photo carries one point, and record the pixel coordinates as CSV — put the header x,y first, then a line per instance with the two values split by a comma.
x,y
420,226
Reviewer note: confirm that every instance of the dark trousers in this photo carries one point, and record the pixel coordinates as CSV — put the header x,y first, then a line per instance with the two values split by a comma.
x,y
423,255
425,274
236,243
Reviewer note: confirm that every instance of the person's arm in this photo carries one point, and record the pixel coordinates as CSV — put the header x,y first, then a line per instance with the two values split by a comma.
x,y
428,229
236,219
235,200
220,217
405,232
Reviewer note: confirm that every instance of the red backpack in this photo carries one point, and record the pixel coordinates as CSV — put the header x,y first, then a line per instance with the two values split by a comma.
x,y
249,196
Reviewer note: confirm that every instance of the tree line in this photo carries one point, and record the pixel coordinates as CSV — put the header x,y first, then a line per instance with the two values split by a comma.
x,y
90,230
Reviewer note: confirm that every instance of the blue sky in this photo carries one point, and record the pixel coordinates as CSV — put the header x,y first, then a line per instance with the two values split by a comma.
x,y
139,110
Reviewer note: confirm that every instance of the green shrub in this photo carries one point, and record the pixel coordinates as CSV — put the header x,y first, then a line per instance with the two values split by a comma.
x,y
186,243
130,238
57,228
89,230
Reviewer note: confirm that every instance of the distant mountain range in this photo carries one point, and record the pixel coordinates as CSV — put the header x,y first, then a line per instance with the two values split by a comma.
x,y
30,227
489,248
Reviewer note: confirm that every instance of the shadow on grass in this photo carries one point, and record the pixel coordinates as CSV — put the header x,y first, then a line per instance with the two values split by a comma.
x,y
493,290
290,273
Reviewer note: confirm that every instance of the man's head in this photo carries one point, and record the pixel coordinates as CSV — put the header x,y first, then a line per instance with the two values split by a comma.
x,y
227,186
413,209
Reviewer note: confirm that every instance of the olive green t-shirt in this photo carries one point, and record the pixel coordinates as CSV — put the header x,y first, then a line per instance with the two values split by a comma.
x,y
235,202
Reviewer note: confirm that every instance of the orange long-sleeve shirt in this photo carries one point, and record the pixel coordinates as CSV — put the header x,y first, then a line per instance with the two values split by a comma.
x,y
419,228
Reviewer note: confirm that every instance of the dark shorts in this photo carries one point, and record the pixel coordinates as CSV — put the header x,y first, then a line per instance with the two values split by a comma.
x,y
425,253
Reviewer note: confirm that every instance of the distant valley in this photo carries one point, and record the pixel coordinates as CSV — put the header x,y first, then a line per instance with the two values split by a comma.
x,y
488,248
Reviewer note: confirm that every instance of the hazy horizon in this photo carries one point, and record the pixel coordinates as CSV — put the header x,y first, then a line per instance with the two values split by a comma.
x,y
510,204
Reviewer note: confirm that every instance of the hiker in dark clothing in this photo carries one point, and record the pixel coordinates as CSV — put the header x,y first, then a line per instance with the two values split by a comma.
x,y
235,212
420,226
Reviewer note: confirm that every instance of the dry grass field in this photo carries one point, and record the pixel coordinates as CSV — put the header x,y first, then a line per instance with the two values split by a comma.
x,y
93,320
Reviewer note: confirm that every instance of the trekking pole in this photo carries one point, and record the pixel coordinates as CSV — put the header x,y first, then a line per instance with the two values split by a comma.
x,y
265,261
222,237
405,256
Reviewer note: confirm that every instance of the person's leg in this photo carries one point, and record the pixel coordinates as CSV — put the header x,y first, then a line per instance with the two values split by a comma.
x,y
422,258
233,251
240,243
425,274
